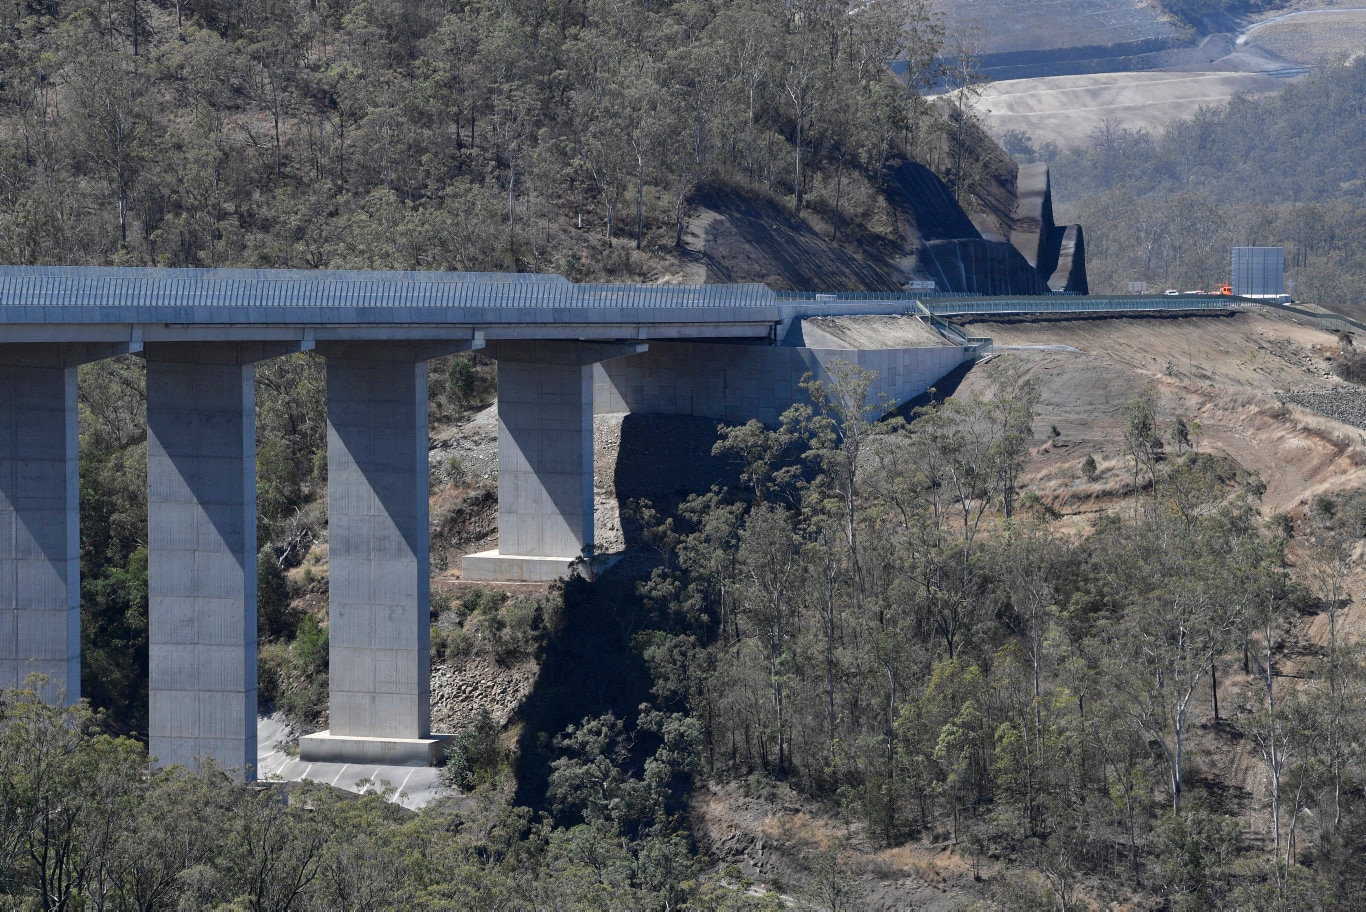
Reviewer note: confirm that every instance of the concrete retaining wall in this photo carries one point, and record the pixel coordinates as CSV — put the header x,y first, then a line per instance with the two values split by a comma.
x,y
735,383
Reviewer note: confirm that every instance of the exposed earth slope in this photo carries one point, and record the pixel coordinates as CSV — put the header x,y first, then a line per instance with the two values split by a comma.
x,y
1230,373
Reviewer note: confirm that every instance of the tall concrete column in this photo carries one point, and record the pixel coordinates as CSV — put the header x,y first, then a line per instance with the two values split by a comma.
x,y
201,573
378,489
545,458
40,588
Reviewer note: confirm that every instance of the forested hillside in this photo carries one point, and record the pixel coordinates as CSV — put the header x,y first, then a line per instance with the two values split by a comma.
x,y
416,134
569,137
876,628
1281,171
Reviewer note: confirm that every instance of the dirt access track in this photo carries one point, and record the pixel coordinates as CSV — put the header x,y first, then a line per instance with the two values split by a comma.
x,y
1227,374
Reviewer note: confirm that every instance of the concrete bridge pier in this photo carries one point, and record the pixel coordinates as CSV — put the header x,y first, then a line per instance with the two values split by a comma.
x,y
201,573
40,587
379,597
545,457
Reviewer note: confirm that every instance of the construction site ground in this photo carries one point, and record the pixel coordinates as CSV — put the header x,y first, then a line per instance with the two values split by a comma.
x,y
1067,107
1229,374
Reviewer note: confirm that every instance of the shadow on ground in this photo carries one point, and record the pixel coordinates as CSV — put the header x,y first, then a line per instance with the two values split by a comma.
x,y
590,667
664,459
945,387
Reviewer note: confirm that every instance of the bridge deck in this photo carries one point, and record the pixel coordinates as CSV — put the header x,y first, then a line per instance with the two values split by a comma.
x,y
64,303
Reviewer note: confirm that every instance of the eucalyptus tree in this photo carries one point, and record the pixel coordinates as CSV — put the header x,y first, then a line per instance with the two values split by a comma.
x,y
837,433
1177,619
804,77
111,113
1337,526
771,573
66,792
965,83
1142,439
749,36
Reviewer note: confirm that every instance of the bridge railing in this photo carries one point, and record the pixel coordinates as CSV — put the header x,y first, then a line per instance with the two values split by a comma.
x,y
946,304
271,291
1076,304
809,296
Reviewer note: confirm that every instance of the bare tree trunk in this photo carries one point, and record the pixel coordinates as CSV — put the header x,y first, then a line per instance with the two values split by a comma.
x,y
512,211
640,198
1214,688
839,185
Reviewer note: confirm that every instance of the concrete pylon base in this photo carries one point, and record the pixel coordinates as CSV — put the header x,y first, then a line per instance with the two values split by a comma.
x,y
492,566
325,747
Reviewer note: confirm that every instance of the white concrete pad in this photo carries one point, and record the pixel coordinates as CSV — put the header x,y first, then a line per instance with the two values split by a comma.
x,y
414,787
514,568
492,566
325,747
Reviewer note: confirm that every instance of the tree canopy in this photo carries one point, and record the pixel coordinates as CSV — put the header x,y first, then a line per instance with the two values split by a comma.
x,y
417,134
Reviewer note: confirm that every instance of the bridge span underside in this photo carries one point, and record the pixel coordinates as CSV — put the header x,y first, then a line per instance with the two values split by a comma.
x,y
729,352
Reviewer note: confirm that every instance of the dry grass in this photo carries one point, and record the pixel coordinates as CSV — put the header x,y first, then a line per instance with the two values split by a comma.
x,y
313,570
1066,488
940,866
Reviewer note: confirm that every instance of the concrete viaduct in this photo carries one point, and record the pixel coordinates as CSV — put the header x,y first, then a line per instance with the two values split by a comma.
x,y
726,351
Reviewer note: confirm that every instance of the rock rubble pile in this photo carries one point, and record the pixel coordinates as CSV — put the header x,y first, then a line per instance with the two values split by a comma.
x,y
460,692
1346,404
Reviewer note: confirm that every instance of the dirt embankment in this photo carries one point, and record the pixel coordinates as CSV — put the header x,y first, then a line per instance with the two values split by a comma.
x,y
1233,376
1256,386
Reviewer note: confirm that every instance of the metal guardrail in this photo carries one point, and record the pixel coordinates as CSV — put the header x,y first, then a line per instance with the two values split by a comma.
x,y
963,304
816,296
1331,322
1078,304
